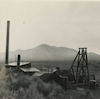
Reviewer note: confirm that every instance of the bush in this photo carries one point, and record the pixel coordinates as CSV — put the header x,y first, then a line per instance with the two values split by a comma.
x,y
30,87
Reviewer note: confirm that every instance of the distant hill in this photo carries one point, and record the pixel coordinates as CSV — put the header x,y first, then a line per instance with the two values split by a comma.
x,y
45,52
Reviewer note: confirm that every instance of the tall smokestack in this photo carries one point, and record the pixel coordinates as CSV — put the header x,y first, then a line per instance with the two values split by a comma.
x,y
7,44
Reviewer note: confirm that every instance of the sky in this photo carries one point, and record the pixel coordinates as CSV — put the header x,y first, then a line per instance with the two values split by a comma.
x,y
64,23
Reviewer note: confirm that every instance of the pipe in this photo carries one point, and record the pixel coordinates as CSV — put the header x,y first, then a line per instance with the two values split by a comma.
x,y
18,60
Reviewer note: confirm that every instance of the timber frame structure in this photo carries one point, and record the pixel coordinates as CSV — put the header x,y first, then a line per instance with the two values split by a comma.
x,y
79,67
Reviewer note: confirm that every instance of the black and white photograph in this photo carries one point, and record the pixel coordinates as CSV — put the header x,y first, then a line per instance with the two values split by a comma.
x,y
49,49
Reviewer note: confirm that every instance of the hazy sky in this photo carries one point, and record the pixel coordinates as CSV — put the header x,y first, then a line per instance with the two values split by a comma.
x,y
56,22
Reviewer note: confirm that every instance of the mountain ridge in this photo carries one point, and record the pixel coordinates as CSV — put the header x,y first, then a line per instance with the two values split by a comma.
x,y
45,52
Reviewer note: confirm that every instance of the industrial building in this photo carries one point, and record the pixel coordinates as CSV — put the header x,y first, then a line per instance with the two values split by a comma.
x,y
24,67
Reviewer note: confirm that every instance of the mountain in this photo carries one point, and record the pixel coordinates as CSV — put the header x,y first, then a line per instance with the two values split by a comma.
x,y
45,52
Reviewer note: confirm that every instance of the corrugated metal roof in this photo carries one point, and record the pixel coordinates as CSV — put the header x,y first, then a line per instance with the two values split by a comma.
x,y
38,74
15,63
32,69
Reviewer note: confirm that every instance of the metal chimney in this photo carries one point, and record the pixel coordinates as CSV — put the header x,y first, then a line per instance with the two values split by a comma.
x,y
18,60
7,44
